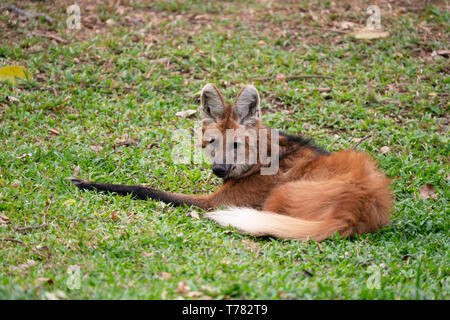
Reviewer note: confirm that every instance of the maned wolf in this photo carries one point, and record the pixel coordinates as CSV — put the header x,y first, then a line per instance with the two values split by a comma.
x,y
312,195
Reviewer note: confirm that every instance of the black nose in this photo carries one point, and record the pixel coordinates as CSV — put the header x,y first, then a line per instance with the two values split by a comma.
x,y
219,170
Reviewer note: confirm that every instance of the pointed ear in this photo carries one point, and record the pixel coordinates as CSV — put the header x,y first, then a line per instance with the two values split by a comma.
x,y
212,104
247,109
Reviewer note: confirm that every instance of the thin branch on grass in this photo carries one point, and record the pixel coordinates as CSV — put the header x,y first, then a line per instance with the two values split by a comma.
x,y
328,29
260,249
40,226
13,240
25,13
44,35
362,140
295,77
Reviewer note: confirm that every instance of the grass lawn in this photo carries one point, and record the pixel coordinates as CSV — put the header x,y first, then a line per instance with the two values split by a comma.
x,y
102,105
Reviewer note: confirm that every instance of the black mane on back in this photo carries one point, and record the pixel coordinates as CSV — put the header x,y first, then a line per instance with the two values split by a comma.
x,y
302,142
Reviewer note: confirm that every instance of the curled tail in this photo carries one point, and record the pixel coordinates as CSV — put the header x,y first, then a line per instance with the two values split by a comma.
x,y
261,223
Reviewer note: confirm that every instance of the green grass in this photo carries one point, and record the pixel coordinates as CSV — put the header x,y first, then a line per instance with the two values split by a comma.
x,y
99,87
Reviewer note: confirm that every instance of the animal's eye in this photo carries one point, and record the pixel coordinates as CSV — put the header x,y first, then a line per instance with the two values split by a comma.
x,y
212,140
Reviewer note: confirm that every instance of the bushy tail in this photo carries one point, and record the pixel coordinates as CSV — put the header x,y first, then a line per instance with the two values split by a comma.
x,y
261,223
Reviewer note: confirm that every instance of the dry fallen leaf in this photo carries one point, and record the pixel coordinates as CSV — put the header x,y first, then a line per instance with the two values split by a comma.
x,y
76,171
43,280
127,141
280,77
147,254
250,245
346,25
165,275
385,150
186,113
194,214
368,34
3,219
29,264
55,295
54,131
194,294
182,288
426,191
97,148
443,53
160,60
13,99
114,215
24,156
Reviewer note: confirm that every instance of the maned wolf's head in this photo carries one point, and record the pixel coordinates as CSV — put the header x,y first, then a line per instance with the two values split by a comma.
x,y
232,134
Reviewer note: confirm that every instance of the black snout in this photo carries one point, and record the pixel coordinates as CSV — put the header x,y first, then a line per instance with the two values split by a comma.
x,y
220,170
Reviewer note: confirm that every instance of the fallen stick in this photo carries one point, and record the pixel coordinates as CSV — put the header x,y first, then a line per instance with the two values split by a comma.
x,y
13,240
362,140
40,226
50,36
300,76
25,13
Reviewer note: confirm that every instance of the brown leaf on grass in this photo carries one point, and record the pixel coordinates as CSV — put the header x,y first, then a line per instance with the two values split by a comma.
x,y
96,148
385,150
24,156
160,60
369,34
250,245
194,214
54,131
165,275
182,288
43,248
147,254
76,171
4,219
280,77
43,280
426,191
346,25
194,294
152,145
13,99
443,53
25,266
114,215
126,141
186,113
55,295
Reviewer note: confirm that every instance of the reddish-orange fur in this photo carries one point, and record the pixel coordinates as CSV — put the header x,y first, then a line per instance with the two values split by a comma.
x,y
313,194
